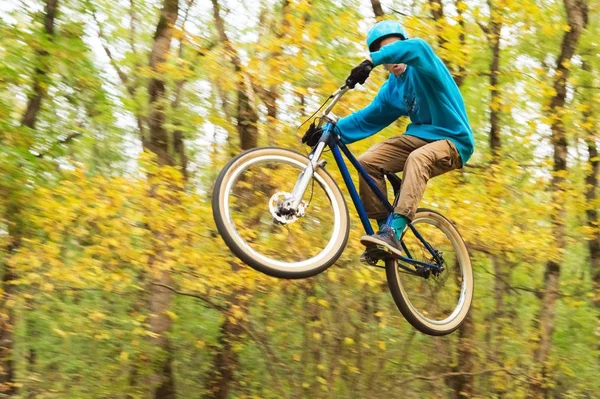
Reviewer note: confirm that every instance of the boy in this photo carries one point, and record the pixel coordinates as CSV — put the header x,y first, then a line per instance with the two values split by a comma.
x,y
438,139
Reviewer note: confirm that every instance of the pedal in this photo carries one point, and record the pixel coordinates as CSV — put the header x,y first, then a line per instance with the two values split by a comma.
x,y
373,254
381,251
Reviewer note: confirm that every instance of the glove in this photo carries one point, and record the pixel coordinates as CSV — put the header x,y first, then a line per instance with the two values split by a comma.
x,y
359,74
312,135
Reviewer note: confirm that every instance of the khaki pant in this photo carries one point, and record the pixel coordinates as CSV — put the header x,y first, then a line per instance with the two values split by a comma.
x,y
419,160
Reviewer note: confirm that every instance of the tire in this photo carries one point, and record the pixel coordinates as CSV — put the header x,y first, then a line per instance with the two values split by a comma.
x,y
242,248
402,296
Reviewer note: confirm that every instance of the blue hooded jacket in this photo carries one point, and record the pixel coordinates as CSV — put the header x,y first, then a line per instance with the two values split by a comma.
x,y
425,92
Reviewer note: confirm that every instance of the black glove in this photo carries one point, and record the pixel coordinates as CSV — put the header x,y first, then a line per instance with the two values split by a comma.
x,y
359,74
312,135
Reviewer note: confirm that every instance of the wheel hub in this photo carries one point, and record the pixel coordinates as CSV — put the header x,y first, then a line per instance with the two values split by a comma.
x,y
281,210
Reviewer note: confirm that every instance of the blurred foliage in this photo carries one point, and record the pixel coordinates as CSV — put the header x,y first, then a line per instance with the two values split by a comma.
x,y
76,220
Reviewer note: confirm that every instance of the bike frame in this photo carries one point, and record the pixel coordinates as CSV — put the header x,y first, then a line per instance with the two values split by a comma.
x,y
330,139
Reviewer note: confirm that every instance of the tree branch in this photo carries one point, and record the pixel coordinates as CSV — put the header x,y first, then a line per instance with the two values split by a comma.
x,y
484,28
194,295
101,35
67,139
400,13
132,22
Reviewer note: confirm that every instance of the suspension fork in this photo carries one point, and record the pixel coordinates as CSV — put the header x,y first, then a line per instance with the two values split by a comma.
x,y
306,175
309,171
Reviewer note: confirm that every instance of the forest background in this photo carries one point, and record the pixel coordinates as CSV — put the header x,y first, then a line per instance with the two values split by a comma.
x,y
117,115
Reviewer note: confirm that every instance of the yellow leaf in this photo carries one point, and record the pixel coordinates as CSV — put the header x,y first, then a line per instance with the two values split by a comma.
x,y
60,332
353,370
48,287
332,276
172,315
381,345
323,303
97,316
124,356
348,341
238,313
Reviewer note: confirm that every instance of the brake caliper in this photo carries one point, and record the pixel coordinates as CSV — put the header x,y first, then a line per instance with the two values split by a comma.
x,y
279,205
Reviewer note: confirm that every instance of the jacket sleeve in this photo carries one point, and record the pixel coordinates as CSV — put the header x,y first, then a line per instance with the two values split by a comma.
x,y
414,52
367,121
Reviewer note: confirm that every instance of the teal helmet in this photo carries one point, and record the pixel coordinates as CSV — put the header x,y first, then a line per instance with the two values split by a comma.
x,y
384,29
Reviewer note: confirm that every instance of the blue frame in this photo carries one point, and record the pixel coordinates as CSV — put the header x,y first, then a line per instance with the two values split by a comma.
x,y
336,145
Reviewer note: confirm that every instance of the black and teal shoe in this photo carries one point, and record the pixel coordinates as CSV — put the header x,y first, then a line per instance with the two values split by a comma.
x,y
381,244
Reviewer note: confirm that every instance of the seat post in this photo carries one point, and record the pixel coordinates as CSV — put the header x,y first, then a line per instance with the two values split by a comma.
x,y
396,183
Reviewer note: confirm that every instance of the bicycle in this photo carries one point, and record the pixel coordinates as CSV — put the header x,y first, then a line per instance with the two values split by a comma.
x,y
254,190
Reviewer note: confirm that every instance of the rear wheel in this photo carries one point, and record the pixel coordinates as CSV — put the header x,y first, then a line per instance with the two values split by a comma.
x,y
437,303
249,208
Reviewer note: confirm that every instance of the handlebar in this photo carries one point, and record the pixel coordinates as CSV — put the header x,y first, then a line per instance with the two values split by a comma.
x,y
336,96
358,75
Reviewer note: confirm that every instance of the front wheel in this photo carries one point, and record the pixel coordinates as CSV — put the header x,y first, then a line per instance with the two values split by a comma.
x,y
435,303
249,208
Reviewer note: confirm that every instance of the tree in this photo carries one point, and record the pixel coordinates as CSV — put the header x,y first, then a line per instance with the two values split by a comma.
x,y
162,145
14,210
577,14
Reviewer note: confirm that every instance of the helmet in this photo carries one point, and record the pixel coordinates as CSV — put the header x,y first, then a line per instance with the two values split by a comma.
x,y
384,29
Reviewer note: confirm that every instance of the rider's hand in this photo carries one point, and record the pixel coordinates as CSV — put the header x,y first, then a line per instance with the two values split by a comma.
x,y
359,74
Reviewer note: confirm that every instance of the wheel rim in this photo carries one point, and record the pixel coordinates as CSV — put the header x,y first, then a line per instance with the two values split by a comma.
x,y
439,302
333,215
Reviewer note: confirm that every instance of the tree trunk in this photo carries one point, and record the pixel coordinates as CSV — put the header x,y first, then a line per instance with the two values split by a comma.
x,y
159,137
592,217
493,31
460,76
178,135
463,385
247,117
437,13
34,101
270,96
493,35
591,196
577,20
13,214
162,144
225,359
377,10
7,321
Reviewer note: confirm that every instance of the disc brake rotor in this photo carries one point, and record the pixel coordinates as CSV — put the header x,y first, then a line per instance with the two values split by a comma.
x,y
279,205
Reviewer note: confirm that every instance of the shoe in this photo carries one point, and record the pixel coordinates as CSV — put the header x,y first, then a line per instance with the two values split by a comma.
x,y
385,240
